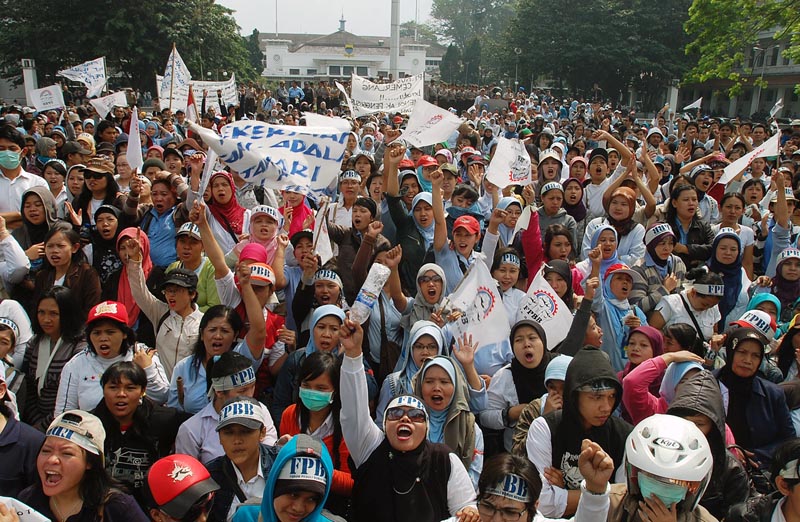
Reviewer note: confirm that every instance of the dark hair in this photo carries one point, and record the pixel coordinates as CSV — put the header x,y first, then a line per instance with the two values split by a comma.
x,y
7,132
729,195
57,166
752,181
672,212
5,327
373,177
227,313
557,230
465,191
498,256
83,199
71,315
101,127
228,363
74,239
786,353
316,364
686,336
497,468
127,370
786,452
127,344
701,276
97,485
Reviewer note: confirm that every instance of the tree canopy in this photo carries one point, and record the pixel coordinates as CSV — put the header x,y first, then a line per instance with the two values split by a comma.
x,y
724,30
135,37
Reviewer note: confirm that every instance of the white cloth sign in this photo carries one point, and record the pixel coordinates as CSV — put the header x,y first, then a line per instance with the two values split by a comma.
x,y
230,96
695,104
278,154
134,151
47,98
510,165
768,148
776,108
173,91
318,120
429,124
322,239
104,105
346,97
399,96
543,306
483,314
92,74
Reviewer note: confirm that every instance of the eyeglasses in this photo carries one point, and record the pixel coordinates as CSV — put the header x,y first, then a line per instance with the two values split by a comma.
x,y
488,510
429,279
425,347
88,174
172,290
415,415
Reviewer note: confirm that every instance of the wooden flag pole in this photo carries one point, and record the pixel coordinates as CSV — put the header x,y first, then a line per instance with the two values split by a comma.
x,y
172,78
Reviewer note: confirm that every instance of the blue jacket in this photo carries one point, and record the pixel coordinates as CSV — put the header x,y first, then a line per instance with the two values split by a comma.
x,y
768,418
267,513
19,447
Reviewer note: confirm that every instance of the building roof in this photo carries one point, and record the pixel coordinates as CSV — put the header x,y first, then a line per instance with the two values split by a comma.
x,y
339,39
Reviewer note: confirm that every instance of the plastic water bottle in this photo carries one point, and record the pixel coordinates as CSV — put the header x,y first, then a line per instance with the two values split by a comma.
x,y
377,277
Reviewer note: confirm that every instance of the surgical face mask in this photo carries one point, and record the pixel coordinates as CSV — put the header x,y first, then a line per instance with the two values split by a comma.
x,y
315,400
669,494
9,159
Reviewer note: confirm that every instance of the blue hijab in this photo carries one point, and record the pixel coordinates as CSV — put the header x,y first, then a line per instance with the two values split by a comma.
x,y
605,263
405,364
319,313
506,233
438,419
731,275
426,232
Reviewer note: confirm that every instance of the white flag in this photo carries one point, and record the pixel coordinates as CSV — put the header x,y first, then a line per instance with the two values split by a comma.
x,y
321,238
318,120
543,305
210,168
768,148
399,96
346,97
92,74
134,152
695,104
483,313
510,165
277,154
104,105
776,108
230,94
174,88
429,124
47,98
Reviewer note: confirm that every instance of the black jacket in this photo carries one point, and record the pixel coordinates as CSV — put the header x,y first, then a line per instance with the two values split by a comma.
x,y
729,486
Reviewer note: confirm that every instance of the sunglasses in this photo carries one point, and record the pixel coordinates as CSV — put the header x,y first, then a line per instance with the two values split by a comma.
x,y
429,279
197,509
88,174
415,415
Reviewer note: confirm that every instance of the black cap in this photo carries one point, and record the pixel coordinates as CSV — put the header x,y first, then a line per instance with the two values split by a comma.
x,y
174,152
297,236
598,152
74,147
181,277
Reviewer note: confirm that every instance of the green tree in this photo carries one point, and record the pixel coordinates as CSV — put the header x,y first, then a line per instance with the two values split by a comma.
x,y
424,32
722,30
254,53
472,61
459,21
135,37
450,66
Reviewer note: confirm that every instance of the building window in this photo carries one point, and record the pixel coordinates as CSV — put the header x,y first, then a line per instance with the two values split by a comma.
x,y
383,74
362,71
773,58
347,70
311,72
294,72
334,70
785,58
432,63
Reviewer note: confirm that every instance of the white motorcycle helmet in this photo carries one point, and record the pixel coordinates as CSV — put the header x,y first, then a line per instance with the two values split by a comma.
x,y
669,457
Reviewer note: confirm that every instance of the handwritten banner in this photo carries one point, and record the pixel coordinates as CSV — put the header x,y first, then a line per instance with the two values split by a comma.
x,y
174,88
399,96
104,105
230,96
46,98
278,154
91,73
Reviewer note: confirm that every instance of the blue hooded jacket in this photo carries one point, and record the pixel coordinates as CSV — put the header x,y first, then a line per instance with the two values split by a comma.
x,y
299,445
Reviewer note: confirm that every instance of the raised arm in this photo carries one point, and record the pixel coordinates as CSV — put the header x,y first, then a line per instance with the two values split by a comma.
x,y
392,156
210,245
257,334
620,147
440,230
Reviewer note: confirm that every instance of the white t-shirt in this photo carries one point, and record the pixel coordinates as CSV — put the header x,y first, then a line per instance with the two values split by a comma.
x,y
672,310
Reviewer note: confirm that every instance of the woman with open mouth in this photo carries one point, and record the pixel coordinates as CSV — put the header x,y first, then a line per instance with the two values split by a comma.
x,y
398,469
73,482
110,340
693,236
138,430
662,272
102,251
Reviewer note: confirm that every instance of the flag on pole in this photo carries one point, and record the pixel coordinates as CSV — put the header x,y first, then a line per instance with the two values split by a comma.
x,y
695,104
211,163
191,107
544,306
104,105
776,108
47,98
429,124
134,152
92,74
768,148
322,240
174,92
483,314
510,165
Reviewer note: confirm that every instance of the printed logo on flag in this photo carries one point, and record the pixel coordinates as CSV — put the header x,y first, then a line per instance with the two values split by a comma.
x,y
485,301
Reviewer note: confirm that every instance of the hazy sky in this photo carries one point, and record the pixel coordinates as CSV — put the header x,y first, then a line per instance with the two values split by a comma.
x,y
367,17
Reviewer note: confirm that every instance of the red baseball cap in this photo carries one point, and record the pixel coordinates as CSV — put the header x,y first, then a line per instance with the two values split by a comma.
x,y
108,310
397,119
406,163
427,161
468,222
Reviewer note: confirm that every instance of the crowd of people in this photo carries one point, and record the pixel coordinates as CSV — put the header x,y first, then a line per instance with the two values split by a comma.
x,y
171,354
